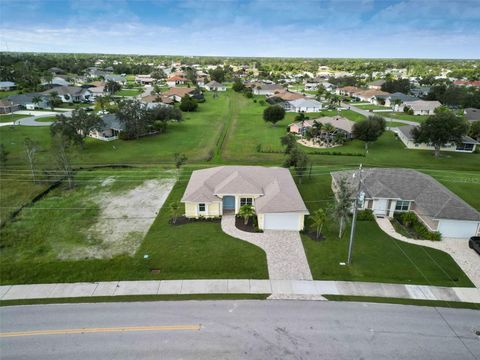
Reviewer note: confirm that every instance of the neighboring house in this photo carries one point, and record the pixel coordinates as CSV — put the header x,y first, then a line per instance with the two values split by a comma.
x,y
284,95
376,85
56,70
266,89
111,129
423,107
7,106
420,91
71,94
311,86
467,83
347,90
6,85
472,114
397,190
97,91
156,100
304,105
371,95
144,79
341,124
57,81
396,100
177,93
215,86
117,78
272,192
175,80
25,101
201,81
404,133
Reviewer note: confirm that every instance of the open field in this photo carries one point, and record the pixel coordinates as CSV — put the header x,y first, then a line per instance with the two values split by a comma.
x,y
38,246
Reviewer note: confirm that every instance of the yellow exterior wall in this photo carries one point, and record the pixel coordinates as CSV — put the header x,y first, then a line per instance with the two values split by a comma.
x,y
213,210
260,219
190,210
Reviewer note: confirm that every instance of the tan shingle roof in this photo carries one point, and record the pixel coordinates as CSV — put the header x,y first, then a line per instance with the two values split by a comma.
x,y
277,190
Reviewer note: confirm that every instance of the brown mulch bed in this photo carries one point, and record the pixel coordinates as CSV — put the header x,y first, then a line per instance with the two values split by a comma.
x,y
182,220
250,227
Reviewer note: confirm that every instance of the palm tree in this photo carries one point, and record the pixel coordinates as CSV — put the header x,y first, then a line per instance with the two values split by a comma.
x,y
174,211
36,100
328,130
53,99
343,205
246,212
318,220
317,128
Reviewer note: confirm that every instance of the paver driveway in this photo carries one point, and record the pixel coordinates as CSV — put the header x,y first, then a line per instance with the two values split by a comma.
x,y
285,254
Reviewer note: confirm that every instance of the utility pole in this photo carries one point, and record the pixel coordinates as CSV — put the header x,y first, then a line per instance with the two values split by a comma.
x,y
354,219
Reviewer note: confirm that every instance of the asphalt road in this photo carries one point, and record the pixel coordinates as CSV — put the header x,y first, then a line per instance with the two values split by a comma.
x,y
238,330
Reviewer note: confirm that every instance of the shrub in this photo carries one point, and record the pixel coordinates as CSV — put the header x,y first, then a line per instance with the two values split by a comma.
x,y
365,215
415,227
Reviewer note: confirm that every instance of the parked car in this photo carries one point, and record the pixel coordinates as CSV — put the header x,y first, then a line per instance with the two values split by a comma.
x,y
474,243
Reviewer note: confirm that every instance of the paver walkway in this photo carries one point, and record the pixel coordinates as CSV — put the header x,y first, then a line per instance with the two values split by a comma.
x,y
458,249
280,289
285,254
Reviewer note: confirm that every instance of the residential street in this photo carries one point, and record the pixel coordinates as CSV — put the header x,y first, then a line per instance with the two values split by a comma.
x,y
368,113
238,330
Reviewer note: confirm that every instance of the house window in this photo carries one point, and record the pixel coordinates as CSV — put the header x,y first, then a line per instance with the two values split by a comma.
x,y
246,201
402,205
201,207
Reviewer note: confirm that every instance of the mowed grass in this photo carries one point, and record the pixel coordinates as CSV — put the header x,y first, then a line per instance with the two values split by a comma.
x,y
403,116
11,117
376,256
196,136
128,92
372,107
194,251
5,94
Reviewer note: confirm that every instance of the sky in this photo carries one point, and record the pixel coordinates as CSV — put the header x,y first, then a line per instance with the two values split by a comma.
x,y
273,28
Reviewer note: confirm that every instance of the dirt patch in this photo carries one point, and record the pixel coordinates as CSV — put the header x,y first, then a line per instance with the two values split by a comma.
x,y
124,220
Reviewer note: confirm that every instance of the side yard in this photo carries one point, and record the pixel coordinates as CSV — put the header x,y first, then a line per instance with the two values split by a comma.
x,y
376,256
95,232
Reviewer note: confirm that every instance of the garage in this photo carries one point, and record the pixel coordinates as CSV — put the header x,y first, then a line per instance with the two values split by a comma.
x,y
283,221
458,228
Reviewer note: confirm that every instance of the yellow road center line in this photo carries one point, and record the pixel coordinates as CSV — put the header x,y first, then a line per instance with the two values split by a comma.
x,y
100,330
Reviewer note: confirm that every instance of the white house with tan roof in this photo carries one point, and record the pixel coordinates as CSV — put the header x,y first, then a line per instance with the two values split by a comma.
x,y
271,191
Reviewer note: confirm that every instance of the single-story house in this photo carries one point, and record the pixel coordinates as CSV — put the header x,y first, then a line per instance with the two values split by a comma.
x,y
266,89
56,70
340,123
201,81
347,90
420,91
157,100
25,101
376,85
472,114
304,105
286,95
215,86
311,86
396,100
177,93
422,107
6,85
97,91
404,133
71,94
370,95
57,81
117,78
144,79
387,191
112,127
175,80
272,192
7,106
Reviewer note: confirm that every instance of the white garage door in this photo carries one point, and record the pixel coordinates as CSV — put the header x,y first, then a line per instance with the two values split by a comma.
x,y
282,221
457,228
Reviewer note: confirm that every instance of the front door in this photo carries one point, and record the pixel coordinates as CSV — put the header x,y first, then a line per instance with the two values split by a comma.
x,y
380,207
229,203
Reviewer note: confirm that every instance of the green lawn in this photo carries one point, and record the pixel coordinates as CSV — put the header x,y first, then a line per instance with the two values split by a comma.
x,y
11,117
372,107
376,256
47,119
4,94
403,116
128,92
32,245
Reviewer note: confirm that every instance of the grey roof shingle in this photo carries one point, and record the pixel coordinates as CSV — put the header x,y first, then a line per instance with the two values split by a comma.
x,y
274,185
431,198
